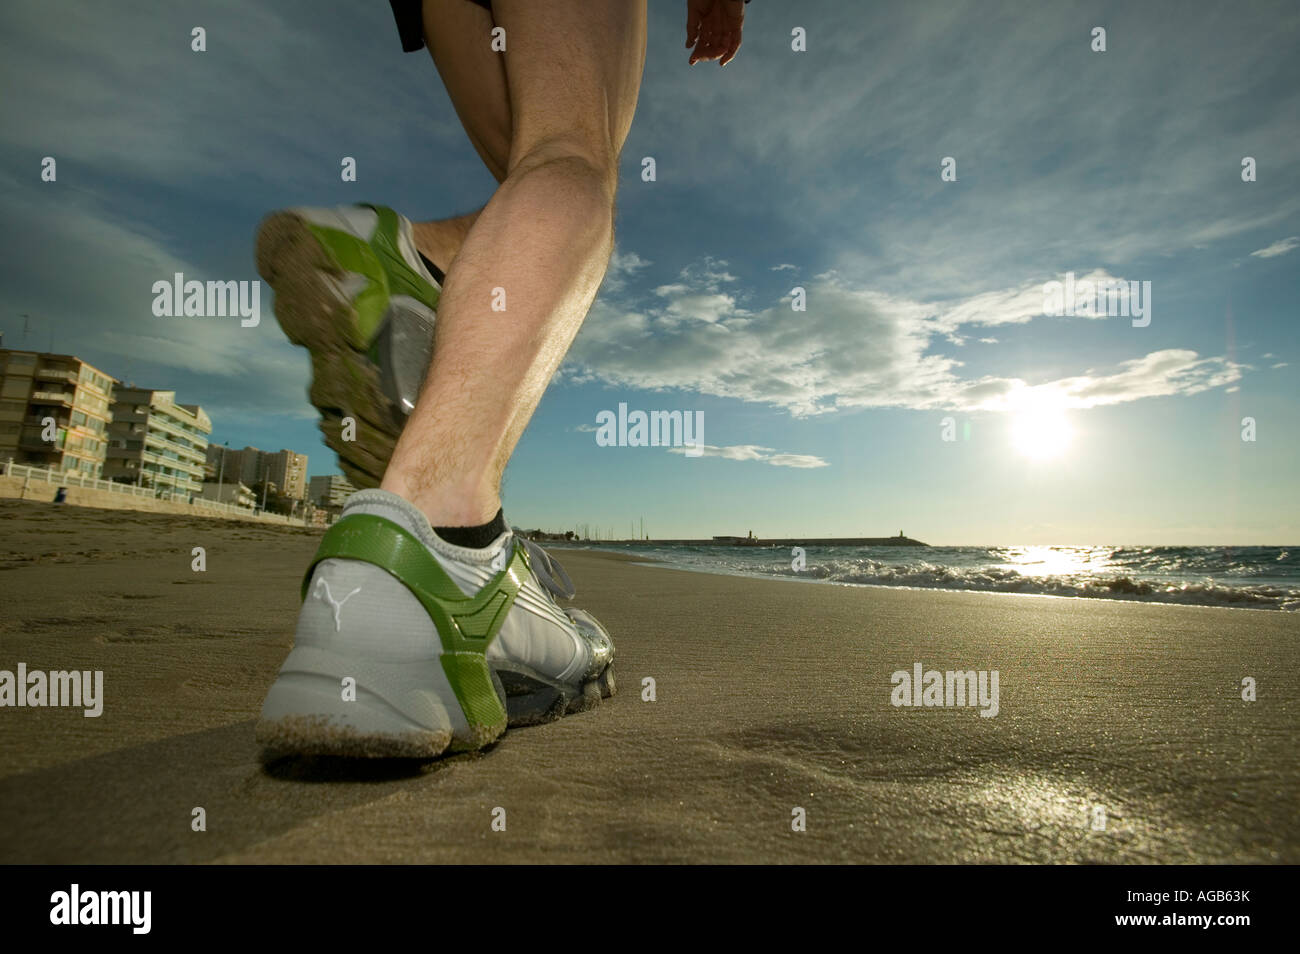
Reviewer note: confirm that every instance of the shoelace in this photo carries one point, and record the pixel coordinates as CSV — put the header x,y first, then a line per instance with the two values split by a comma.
x,y
547,569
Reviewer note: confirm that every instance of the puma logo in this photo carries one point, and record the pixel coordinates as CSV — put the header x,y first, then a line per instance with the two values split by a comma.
x,y
499,561
336,605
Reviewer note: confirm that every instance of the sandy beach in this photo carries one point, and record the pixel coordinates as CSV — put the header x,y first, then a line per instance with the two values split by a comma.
x,y
770,695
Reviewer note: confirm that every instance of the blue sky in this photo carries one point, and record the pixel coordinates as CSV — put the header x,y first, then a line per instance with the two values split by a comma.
x,y
819,169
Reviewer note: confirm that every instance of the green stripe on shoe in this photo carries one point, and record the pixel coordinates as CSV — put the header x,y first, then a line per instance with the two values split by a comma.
x,y
466,625
402,278
380,262
352,254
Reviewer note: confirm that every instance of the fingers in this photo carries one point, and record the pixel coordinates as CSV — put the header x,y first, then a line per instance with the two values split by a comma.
x,y
735,21
705,27
705,48
724,49
721,45
692,25
733,46
716,34
735,10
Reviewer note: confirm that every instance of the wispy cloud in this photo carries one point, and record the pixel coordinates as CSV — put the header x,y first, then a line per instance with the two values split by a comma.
x,y
867,127
622,267
854,347
104,313
1280,247
119,89
753,452
796,460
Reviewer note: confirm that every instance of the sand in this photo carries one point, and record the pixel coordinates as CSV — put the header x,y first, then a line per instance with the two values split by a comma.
x,y
771,695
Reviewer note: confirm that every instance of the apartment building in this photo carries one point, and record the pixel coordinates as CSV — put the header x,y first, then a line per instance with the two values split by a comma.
x,y
329,491
156,442
224,465
54,411
230,492
287,470
245,464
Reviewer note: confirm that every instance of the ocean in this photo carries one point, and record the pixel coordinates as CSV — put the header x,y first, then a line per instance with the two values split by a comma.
x,y
1243,577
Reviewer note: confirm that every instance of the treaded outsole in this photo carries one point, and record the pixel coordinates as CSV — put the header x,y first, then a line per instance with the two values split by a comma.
x,y
318,735
529,700
532,699
326,727
314,311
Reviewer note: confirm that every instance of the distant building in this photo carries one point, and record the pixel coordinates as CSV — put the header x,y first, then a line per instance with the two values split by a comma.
x,y
244,465
214,463
46,395
229,492
330,491
287,470
155,442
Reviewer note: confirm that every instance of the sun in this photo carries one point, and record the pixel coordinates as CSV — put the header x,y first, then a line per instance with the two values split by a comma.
x,y
1042,433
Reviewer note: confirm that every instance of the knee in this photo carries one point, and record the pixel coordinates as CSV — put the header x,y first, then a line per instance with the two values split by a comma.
x,y
593,168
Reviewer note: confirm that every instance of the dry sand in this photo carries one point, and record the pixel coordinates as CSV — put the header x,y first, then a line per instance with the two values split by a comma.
x,y
771,695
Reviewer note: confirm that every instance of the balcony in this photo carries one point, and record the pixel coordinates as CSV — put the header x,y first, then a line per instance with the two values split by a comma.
x,y
52,397
175,428
54,374
38,420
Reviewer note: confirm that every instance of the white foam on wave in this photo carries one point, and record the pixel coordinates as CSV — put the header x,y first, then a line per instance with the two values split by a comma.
x,y
925,575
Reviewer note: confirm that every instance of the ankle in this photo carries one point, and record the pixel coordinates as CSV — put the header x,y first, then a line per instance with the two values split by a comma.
x,y
434,243
475,536
446,506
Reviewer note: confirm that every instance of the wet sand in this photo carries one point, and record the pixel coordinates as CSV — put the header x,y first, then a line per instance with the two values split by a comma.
x,y
771,695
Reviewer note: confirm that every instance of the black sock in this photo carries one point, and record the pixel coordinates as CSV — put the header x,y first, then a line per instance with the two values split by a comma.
x,y
475,538
434,270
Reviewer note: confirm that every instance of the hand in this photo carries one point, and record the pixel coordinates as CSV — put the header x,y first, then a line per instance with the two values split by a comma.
x,y
713,28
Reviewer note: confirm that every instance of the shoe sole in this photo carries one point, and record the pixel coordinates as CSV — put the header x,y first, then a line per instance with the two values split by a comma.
x,y
314,311
396,710
401,710
533,699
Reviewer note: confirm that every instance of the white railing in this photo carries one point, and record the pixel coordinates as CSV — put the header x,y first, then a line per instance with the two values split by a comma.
x,y
70,478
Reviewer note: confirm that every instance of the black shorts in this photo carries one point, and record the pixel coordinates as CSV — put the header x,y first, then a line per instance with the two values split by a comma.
x,y
410,21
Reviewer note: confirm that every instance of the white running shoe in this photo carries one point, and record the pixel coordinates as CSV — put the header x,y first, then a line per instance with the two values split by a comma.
x,y
409,646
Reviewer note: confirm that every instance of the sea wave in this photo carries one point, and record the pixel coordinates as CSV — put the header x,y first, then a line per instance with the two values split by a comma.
x,y
1007,580
1252,577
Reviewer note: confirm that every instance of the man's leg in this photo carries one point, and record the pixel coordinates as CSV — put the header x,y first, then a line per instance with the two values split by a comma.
x,y
440,240
573,71
447,639
457,35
